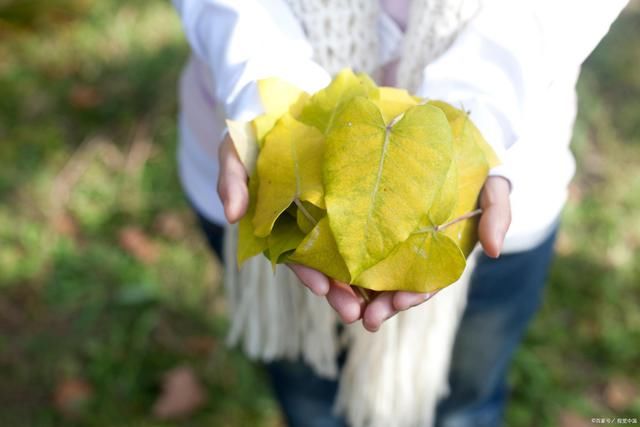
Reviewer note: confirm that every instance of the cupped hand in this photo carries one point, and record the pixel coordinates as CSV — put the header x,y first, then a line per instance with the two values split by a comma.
x,y
234,194
493,226
350,306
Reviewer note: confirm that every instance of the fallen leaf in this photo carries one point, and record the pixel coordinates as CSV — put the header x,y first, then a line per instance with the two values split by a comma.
x,y
297,150
200,345
248,243
277,97
284,238
473,163
84,96
319,250
323,106
620,393
573,419
66,225
71,396
381,179
427,261
245,142
137,244
182,394
564,244
369,185
393,102
575,193
170,225
308,216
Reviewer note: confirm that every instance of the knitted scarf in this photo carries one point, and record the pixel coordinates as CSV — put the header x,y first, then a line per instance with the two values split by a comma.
x,y
394,377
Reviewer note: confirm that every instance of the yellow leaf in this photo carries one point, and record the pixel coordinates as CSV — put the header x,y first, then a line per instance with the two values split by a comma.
x,y
489,154
473,169
318,250
262,125
244,140
393,102
447,197
308,217
455,114
433,258
285,237
289,171
376,203
381,180
249,244
277,97
326,103
428,260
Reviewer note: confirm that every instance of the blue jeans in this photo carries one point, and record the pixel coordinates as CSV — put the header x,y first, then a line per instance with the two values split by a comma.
x,y
504,295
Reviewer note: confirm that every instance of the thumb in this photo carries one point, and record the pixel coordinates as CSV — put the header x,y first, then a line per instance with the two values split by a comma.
x,y
232,182
496,215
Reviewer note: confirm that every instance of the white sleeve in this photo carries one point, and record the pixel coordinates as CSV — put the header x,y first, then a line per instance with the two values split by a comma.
x,y
509,52
244,41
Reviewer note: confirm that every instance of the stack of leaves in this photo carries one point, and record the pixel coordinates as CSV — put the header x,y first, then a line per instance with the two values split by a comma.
x,y
367,184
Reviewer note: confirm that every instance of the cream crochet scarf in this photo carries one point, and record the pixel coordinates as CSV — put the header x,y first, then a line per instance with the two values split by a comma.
x,y
394,377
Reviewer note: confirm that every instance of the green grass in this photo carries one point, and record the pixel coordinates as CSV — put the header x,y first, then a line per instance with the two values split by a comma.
x,y
589,329
87,141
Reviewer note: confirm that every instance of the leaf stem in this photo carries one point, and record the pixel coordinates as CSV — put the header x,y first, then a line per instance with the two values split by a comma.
x,y
363,293
448,224
393,121
304,211
457,220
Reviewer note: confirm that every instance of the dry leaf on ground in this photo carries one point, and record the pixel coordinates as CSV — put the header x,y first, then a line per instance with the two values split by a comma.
x,y
71,396
200,345
137,244
620,393
170,225
573,419
66,225
84,96
182,394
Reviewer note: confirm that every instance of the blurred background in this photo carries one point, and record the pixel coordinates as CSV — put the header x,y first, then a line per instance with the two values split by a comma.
x,y
111,307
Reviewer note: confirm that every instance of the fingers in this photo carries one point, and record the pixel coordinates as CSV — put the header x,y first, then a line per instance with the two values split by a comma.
x,y
378,310
232,182
345,301
340,296
496,215
388,304
406,300
316,281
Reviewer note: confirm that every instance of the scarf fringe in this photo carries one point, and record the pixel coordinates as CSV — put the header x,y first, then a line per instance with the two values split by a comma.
x,y
391,378
274,317
395,377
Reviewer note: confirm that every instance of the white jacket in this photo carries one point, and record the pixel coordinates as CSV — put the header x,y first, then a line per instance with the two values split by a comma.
x,y
514,66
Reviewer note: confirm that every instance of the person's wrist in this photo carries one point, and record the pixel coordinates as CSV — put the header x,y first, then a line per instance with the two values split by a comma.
x,y
502,171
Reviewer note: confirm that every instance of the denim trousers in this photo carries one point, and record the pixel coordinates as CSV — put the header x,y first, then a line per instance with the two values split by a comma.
x,y
504,295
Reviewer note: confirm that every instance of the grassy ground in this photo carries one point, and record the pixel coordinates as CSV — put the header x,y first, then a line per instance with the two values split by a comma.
x,y
105,284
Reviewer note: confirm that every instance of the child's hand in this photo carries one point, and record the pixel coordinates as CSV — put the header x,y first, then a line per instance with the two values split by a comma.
x,y
494,223
232,182
234,194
